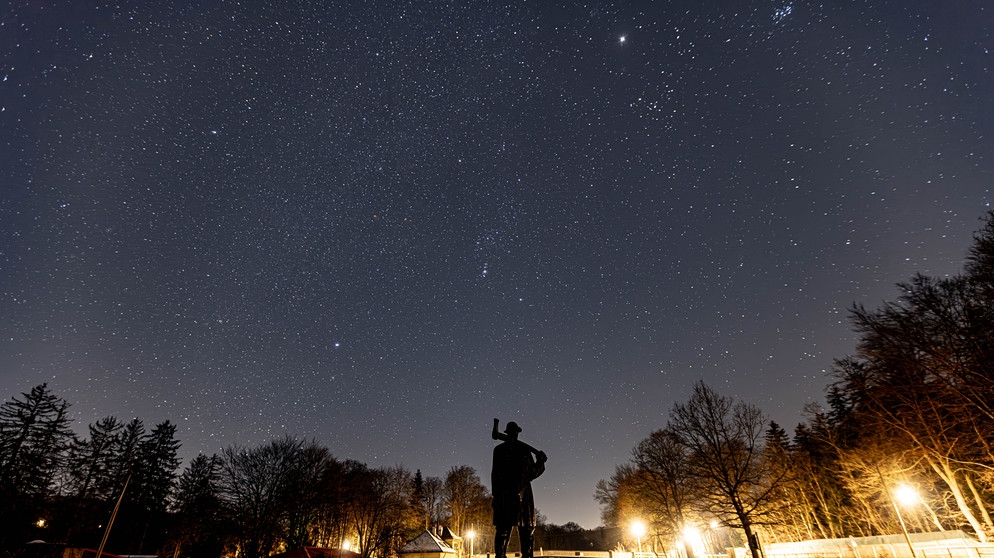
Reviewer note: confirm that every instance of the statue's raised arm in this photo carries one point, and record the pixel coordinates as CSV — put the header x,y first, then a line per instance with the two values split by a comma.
x,y
496,434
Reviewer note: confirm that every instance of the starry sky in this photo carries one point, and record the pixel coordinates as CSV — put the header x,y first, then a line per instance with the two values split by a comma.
x,y
382,224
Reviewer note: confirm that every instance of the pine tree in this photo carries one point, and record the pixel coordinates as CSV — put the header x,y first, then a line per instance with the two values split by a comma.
x,y
198,509
34,438
90,460
418,500
126,453
158,462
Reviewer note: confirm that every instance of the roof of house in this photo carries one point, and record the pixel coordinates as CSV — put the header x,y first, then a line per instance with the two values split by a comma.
x,y
448,535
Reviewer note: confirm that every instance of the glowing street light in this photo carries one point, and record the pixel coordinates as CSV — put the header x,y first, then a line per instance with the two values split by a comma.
x,y
471,536
907,495
638,529
693,541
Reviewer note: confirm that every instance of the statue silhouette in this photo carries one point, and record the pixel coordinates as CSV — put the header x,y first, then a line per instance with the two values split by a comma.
x,y
516,464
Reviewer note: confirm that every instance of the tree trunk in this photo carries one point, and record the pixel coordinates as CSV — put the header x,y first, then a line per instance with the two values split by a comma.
x,y
812,514
948,476
751,539
979,501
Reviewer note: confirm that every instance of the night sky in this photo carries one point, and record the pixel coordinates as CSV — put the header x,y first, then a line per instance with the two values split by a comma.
x,y
382,224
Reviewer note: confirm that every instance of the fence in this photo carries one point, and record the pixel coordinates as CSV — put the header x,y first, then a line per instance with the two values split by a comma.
x,y
946,544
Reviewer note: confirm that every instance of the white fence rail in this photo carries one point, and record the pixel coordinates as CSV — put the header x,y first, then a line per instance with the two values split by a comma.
x,y
893,551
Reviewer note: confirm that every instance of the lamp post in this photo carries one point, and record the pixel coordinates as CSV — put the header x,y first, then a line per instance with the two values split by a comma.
x,y
692,541
906,495
471,536
638,529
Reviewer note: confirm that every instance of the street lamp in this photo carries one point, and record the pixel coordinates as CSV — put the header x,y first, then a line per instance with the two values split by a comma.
x,y
692,542
907,495
638,529
471,536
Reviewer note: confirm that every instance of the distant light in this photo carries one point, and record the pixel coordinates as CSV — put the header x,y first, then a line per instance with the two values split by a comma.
x,y
622,39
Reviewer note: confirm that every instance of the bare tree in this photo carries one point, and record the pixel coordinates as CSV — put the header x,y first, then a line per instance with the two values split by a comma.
x,y
435,499
664,484
725,439
303,499
614,495
267,492
330,528
624,502
377,510
466,499
923,377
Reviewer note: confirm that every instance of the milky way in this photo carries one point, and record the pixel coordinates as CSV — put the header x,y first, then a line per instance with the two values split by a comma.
x,y
381,225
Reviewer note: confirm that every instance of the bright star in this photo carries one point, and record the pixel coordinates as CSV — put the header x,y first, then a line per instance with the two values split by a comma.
x,y
621,39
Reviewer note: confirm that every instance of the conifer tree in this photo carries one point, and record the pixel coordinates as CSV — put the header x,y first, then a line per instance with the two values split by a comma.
x,y
34,437
158,462
90,460
198,509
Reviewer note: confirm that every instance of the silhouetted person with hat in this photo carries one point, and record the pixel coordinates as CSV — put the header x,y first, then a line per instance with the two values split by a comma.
x,y
516,464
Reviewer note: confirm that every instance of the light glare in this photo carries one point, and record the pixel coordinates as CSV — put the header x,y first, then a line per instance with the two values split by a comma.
x,y
906,495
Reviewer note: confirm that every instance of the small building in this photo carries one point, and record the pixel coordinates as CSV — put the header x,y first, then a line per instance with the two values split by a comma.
x,y
427,545
451,539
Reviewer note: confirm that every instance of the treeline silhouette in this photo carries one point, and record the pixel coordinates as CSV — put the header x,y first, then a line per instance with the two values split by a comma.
x,y
59,487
